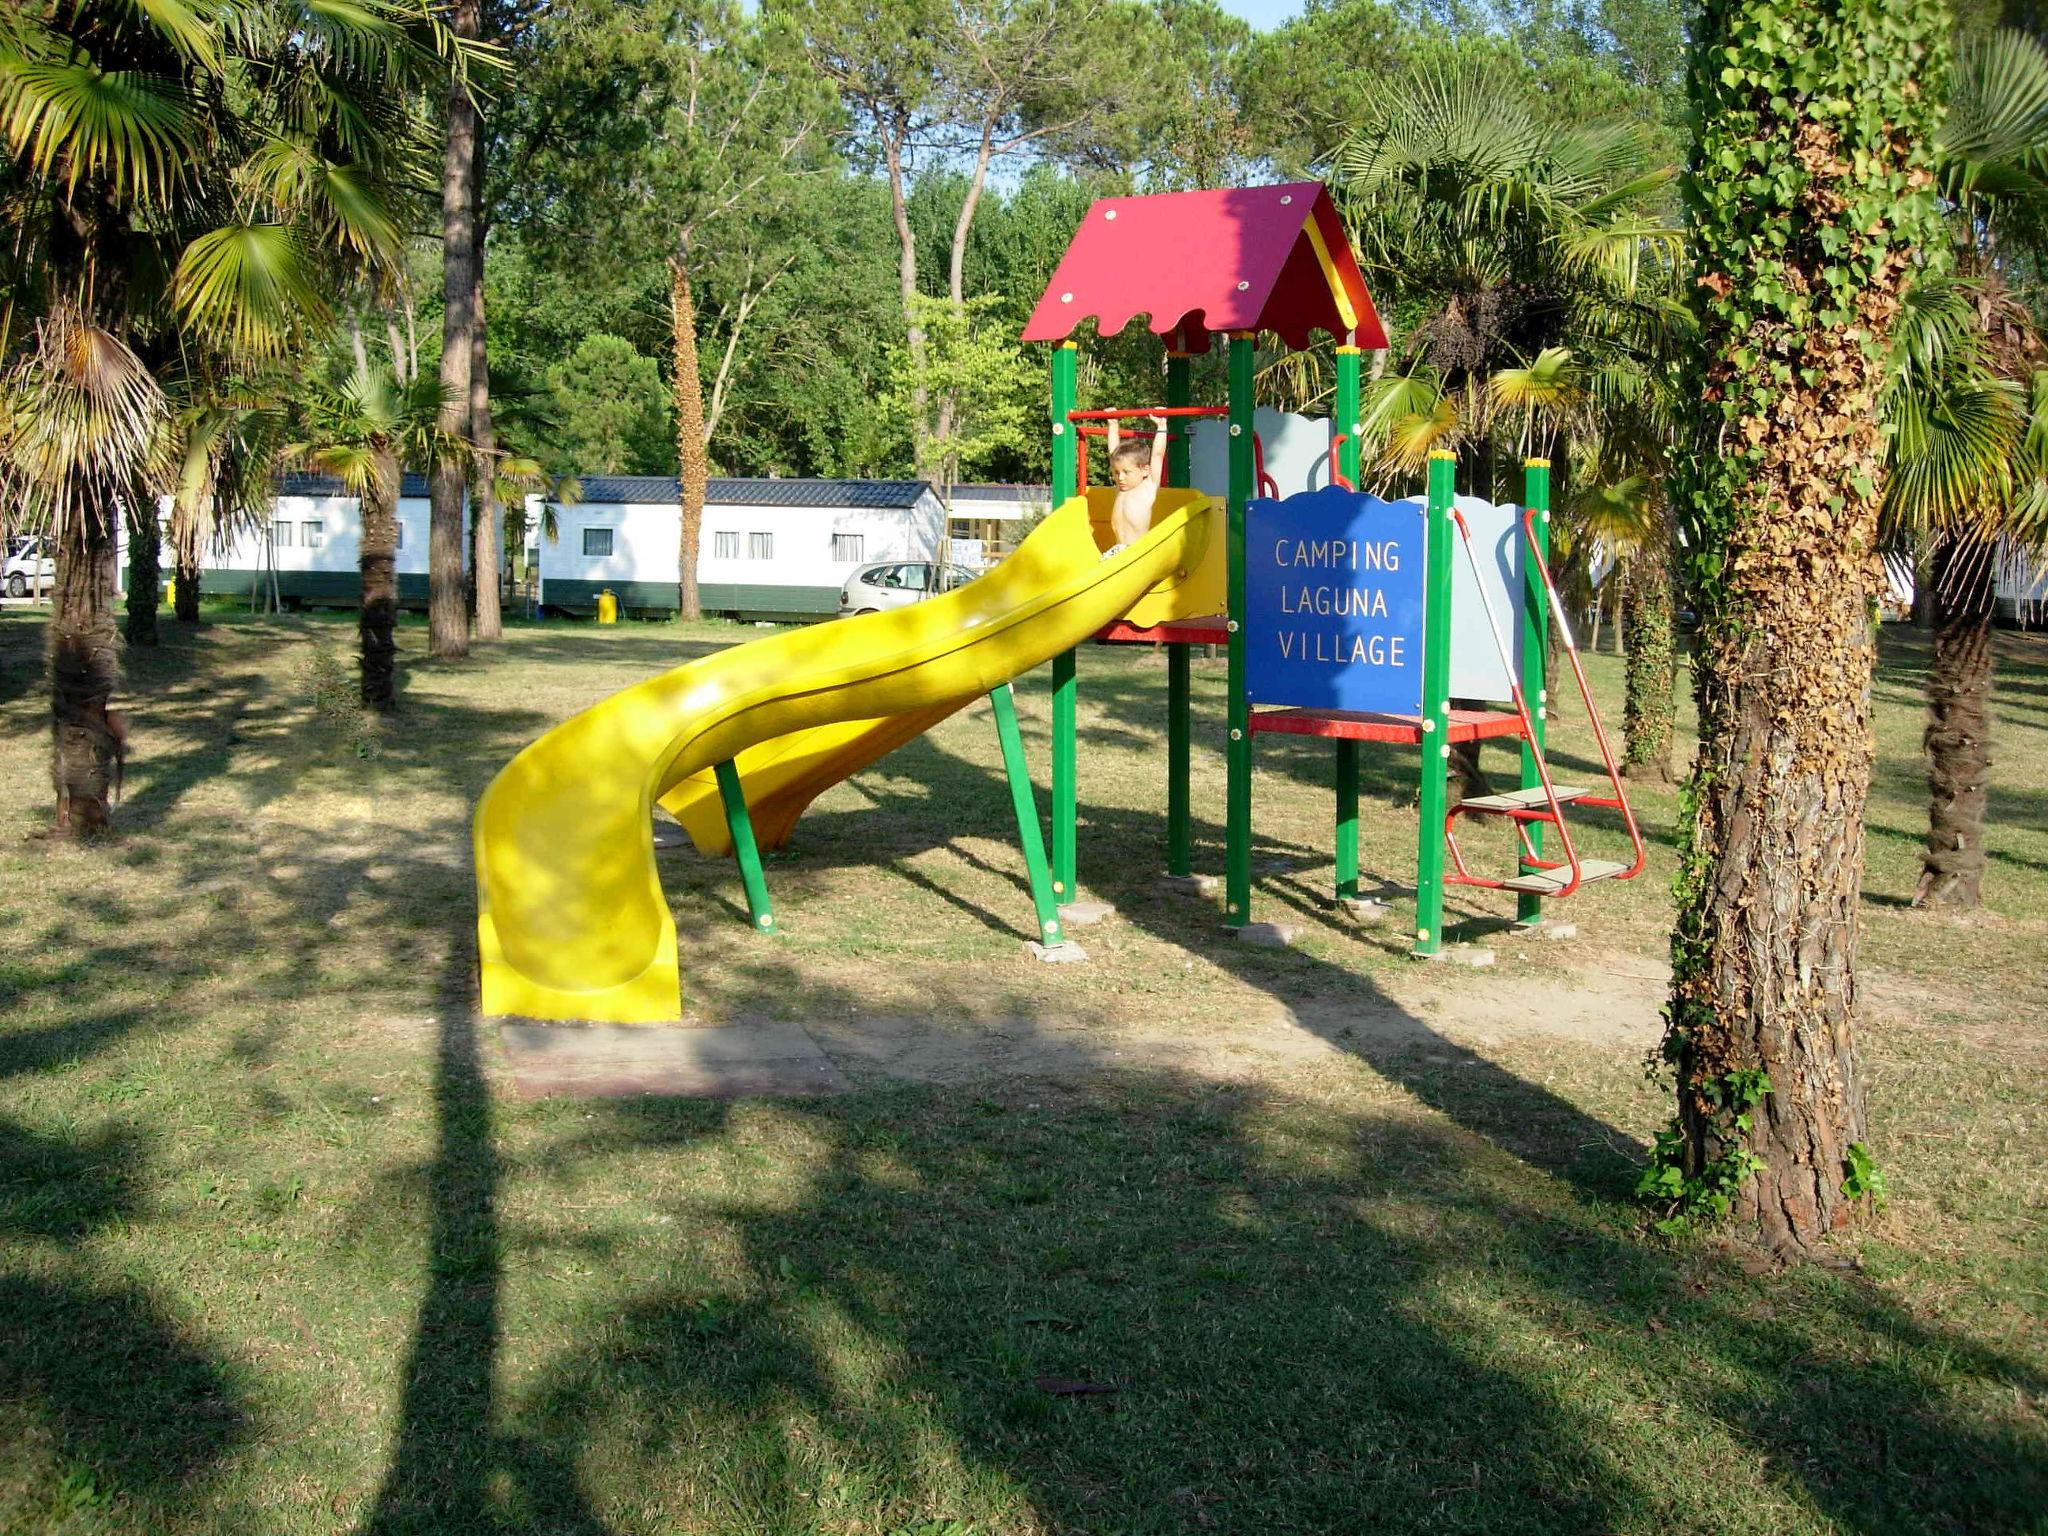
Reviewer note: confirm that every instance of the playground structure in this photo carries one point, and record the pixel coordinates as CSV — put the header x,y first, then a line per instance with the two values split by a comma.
x,y
572,921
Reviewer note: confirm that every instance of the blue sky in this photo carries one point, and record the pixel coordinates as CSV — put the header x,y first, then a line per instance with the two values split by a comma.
x,y
1263,13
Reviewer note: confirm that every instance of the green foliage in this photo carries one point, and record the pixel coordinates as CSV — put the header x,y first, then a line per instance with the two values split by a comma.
x,y
608,411
1687,1196
1862,1178
977,365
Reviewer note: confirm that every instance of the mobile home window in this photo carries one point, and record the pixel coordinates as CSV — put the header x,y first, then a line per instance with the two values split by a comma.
x,y
760,546
281,535
725,546
846,546
312,535
597,543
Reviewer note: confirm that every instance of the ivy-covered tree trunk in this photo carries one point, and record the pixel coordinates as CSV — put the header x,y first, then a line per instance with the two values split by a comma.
x,y
487,523
377,560
1648,637
1810,190
1964,592
85,738
145,578
693,464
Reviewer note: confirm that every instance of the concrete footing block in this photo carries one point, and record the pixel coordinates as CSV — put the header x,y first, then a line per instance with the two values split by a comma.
x,y
1269,935
1068,953
1191,885
1362,909
1079,914
1472,956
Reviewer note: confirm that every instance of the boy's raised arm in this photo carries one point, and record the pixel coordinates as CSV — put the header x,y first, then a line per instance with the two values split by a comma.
x,y
1159,448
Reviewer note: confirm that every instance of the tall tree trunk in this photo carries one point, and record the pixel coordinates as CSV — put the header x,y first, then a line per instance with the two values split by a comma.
x,y
185,586
377,559
906,279
487,554
86,742
447,615
693,465
1958,739
1781,491
1650,638
145,578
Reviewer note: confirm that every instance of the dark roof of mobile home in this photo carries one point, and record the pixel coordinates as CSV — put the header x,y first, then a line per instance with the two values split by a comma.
x,y
303,483
758,491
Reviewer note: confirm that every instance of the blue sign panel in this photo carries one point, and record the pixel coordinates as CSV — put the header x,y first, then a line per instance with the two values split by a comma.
x,y
1333,602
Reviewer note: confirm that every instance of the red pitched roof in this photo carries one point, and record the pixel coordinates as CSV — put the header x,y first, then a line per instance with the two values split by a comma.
x,y
1196,262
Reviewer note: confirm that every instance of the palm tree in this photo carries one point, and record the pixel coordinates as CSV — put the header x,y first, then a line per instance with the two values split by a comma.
x,y
1967,407
364,432
187,181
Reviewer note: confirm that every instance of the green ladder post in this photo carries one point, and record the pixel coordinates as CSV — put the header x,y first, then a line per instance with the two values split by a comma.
x,y
744,849
1436,703
1024,800
1179,674
1535,649
1237,892
1065,693
1346,424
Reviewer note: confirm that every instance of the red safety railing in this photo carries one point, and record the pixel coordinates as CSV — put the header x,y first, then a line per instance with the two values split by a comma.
x,y
1263,483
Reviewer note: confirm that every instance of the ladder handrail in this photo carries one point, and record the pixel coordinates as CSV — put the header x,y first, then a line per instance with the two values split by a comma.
x,y
1507,661
1571,650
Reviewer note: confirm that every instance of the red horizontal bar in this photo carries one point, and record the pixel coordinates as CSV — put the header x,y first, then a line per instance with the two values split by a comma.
x,y
1172,632
1150,410
1086,431
1396,730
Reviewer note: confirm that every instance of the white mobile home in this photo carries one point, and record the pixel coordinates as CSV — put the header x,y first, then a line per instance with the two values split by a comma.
x,y
313,542
988,519
774,549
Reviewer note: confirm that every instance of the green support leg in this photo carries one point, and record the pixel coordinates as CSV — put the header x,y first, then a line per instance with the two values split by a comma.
x,y
1237,885
1347,820
741,826
1065,769
1436,706
1535,656
1025,801
1179,714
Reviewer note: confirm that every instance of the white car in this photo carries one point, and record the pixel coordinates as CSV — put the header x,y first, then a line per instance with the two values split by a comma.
x,y
26,562
898,584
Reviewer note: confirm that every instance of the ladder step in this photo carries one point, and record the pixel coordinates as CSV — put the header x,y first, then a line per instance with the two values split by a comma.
x,y
1548,882
1515,800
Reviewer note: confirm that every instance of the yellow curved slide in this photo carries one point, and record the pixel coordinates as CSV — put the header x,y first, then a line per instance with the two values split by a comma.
x,y
571,919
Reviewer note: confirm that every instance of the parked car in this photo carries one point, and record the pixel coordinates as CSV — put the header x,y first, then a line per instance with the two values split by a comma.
x,y
899,583
26,559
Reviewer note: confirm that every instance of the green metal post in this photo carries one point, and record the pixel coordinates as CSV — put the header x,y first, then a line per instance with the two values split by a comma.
x,y
1179,680
1179,711
1177,394
741,826
1025,802
1237,886
1436,704
1065,693
1345,422
1347,820
1535,649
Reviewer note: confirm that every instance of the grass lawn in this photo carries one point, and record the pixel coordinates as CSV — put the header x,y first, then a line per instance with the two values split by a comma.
x,y
1350,1237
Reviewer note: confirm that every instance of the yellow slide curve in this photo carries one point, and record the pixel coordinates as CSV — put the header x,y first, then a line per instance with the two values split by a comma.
x,y
571,919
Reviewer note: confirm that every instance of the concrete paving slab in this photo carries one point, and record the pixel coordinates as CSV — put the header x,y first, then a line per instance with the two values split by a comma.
x,y
1269,935
766,1059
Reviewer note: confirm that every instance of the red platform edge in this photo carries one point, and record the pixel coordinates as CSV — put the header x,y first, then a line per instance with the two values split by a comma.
x,y
1466,725
1173,632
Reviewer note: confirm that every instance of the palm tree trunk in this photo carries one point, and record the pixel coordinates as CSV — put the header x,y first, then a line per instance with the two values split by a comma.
x,y
377,559
84,669
185,585
488,545
1958,738
145,578
447,609
692,462
1649,635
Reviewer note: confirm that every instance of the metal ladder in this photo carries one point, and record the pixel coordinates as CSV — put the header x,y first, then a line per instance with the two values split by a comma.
x,y
1542,803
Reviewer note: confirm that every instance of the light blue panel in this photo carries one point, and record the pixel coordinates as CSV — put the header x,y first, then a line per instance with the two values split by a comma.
x,y
1297,452
1477,668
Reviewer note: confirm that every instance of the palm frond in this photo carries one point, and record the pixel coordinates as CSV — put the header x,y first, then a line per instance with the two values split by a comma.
x,y
247,286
